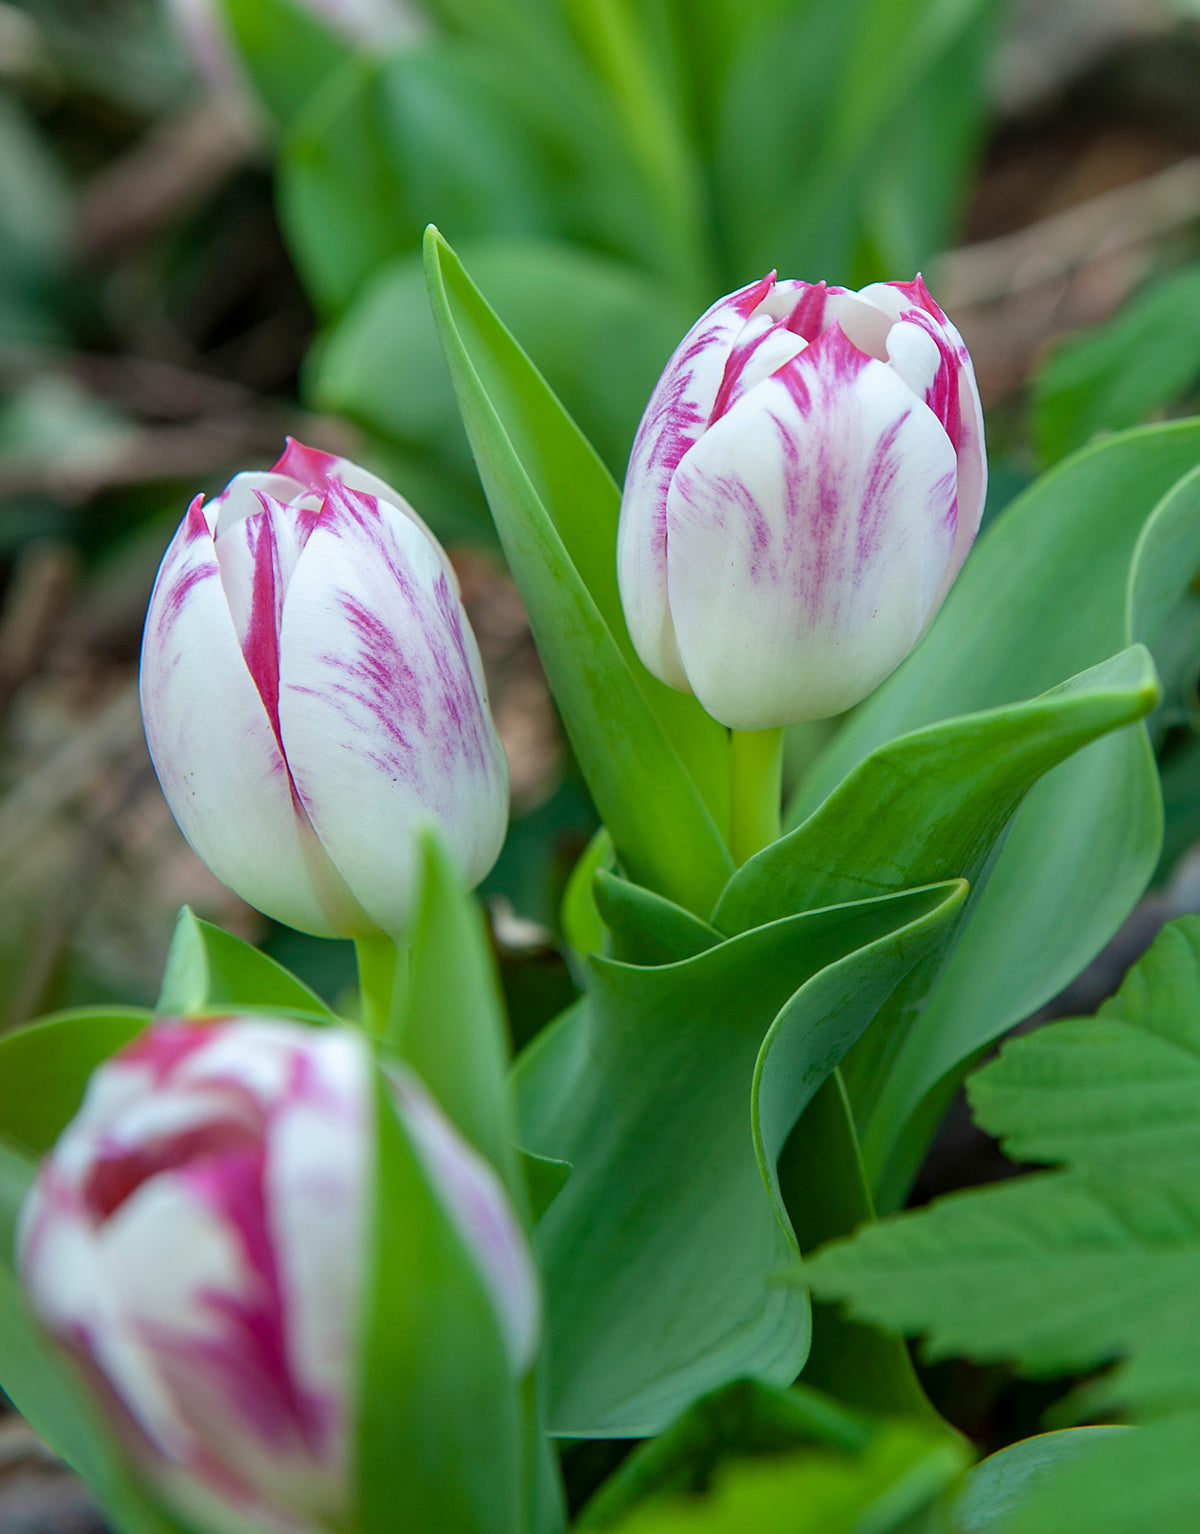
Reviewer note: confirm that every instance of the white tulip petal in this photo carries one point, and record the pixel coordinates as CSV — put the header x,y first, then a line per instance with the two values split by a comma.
x,y
318,470
383,706
212,741
678,411
317,1178
808,533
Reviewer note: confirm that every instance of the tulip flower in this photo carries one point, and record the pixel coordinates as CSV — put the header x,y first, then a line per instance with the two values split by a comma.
x,y
805,484
197,1239
313,697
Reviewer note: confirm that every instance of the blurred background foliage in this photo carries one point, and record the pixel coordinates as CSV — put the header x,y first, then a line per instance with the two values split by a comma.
x,y
209,218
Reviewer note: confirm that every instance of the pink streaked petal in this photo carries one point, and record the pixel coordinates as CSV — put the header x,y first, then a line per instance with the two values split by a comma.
x,y
384,705
317,1179
213,743
830,495
319,470
678,411
242,497
763,345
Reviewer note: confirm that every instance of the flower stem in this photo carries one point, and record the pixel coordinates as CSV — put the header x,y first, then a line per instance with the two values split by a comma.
x,y
756,769
382,971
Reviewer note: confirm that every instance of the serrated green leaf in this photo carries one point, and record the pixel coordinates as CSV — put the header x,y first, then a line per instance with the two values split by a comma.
x,y
665,1254
1046,592
1118,1090
208,969
1068,1270
555,509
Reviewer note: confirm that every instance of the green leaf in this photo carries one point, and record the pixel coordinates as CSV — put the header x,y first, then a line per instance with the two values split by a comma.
x,y
582,925
440,1417
555,509
999,1486
1051,589
897,1485
745,1418
209,969
389,144
287,51
1129,1483
1118,1090
599,330
1121,373
830,94
452,1029
668,1257
1066,1270
649,929
45,1067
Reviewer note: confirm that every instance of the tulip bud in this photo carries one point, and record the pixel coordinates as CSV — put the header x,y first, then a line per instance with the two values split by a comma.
x,y
313,696
197,1239
805,484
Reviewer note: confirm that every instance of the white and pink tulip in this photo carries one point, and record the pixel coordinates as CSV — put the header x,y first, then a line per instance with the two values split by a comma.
x,y
313,696
806,482
198,1240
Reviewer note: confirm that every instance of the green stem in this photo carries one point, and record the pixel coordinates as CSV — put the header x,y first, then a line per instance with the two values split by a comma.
x,y
756,790
382,972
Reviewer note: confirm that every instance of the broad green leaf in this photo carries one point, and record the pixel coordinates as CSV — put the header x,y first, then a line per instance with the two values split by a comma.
x,y
647,928
44,1070
208,969
599,330
287,51
998,1487
452,1029
1046,593
582,925
391,143
665,1255
1118,1089
1127,1483
555,508
897,1485
50,1395
745,1418
440,1428
1120,374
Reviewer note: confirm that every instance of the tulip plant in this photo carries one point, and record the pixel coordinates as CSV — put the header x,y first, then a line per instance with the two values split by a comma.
x,y
267,1268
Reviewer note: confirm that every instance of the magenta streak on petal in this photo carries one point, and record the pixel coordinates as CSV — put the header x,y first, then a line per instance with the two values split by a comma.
x,y
807,318
187,573
118,1171
165,1046
246,1356
749,299
260,647
921,296
309,465
942,395
873,512
730,392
